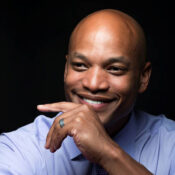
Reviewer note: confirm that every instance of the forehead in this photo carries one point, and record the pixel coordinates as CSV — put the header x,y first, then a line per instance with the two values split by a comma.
x,y
102,43
108,35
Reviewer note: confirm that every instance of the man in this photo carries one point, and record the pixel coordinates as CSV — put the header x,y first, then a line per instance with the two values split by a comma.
x,y
97,129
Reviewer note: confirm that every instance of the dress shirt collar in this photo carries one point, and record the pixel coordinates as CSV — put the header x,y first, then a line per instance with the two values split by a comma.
x,y
126,137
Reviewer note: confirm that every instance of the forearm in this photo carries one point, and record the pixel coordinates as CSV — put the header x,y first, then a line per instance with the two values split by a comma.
x,y
117,162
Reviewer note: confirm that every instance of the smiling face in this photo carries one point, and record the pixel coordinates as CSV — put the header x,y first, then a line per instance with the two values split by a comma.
x,y
102,70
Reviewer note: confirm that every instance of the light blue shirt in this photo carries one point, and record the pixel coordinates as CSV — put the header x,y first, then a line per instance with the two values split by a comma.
x,y
148,139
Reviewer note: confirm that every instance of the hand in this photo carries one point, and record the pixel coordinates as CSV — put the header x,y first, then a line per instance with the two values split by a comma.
x,y
83,124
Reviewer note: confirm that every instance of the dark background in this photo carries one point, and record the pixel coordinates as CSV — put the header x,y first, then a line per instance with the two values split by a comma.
x,y
33,41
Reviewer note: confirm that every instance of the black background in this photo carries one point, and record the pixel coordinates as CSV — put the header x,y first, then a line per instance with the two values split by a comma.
x,y
33,43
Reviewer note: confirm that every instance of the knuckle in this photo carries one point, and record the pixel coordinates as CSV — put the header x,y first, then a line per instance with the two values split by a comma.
x,y
56,120
78,119
56,126
53,105
85,107
80,114
62,102
73,132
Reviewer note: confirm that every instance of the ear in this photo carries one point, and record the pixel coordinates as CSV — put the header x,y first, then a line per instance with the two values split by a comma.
x,y
66,68
145,77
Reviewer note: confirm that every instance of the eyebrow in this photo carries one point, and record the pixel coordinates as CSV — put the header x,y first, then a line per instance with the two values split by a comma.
x,y
110,60
119,59
78,55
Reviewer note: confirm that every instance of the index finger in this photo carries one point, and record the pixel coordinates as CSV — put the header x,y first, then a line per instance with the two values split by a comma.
x,y
57,107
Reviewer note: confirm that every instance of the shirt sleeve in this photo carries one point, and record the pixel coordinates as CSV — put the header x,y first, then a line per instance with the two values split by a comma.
x,y
19,156
11,161
172,167
22,152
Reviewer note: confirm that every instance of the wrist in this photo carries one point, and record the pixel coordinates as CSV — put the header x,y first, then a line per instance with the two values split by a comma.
x,y
111,155
116,162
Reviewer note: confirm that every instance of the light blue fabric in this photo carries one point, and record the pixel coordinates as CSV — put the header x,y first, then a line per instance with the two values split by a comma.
x,y
148,139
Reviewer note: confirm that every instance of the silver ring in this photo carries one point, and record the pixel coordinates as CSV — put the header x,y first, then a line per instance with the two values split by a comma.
x,y
61,122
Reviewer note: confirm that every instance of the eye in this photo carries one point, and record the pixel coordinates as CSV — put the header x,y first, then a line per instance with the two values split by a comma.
x,y
78,66
116,70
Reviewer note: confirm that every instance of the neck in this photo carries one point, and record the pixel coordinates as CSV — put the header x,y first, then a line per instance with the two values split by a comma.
x,y
115,128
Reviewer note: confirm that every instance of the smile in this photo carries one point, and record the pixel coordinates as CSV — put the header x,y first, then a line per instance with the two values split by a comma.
x,y
92,101
97,103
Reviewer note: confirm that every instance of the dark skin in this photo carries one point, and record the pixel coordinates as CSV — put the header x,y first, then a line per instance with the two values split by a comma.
x,y
104,72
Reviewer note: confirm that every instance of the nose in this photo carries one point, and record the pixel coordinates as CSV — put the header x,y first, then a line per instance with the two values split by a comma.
x,y
95,80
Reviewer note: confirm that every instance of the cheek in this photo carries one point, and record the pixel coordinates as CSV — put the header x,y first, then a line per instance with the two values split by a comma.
x,y
72,79
123,85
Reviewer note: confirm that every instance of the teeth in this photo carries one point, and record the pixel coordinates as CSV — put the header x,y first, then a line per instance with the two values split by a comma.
x,y
92,102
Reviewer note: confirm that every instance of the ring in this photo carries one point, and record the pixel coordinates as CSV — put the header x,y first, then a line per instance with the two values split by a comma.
x,y
61,122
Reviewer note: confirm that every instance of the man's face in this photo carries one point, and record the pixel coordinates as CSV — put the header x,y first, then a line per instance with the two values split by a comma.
x,y
102,73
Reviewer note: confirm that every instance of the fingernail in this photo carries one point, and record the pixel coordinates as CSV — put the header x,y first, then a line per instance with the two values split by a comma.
x,y
52,150
40,106
47,145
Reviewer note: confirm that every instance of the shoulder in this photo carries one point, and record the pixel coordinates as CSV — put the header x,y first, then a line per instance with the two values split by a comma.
x,y
154,124
155,143
32,134
155,132
37,129
23,149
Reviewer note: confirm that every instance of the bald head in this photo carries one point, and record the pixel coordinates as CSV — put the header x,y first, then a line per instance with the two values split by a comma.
x,y
105,63
110,24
